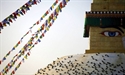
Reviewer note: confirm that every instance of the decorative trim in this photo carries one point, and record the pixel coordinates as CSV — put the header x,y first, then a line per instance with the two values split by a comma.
x,y
104,51
105,14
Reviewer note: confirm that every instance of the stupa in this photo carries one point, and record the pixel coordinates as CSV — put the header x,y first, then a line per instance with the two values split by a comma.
x,y
105,27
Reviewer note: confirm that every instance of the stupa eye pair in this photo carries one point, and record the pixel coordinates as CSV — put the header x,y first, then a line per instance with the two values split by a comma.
x,y
111,33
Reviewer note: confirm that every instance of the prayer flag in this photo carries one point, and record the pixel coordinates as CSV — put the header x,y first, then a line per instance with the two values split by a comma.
x,y
10,20
39,40
40,36
0,61
37,22
44,31
1,26
51,8
13,72
28,54
4,58
25,56
47,12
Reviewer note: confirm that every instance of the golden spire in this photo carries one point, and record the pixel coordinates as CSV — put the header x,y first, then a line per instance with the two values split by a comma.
x,y
108,5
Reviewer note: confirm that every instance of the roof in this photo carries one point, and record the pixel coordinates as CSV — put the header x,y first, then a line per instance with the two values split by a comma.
x,y
103,18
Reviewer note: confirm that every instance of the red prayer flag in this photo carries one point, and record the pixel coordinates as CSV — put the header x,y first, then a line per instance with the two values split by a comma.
x,y
10,20
8,64
19,42
50,24
42,28
14,15
15,60
61,5
26,4
13,72
35,2
0,61
20,63
7,70
28,54
27,32
23,11
33,34
43,25
37,22
43,34
1,25
36,42
52,16
0,73
56,1
47,12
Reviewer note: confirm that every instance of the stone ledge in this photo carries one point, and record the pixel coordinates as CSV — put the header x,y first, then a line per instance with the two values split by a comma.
x,y
105,51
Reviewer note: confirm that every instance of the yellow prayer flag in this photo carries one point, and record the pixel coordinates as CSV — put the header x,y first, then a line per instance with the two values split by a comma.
x,y
29,47
36,36
22,53
15,46
54,18
29,42
20,8
66,1
47,28
39,29
48,21
25,56
43,16
12,64
53,6
18,15
17,66
57,10
22,49
4,25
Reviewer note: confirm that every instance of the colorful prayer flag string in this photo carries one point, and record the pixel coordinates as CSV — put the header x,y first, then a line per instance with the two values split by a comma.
x,y
21,11
30,31
28,53
28,46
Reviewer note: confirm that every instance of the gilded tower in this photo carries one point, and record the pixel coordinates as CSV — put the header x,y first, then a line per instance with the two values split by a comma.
x,y
105,26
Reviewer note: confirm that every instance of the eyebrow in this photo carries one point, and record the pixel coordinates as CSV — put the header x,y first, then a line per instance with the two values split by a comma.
x,y
116,27
119,29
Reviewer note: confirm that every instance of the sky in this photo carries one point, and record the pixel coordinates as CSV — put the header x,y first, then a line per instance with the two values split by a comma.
x,y
65,37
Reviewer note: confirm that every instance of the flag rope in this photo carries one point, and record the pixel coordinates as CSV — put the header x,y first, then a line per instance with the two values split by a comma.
x,y
19,42
44,27
21,11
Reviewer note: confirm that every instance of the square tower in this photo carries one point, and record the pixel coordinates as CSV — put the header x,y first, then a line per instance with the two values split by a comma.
x,y
105,26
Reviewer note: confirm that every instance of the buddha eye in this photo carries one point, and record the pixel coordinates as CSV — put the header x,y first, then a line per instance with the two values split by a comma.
x,y
111,33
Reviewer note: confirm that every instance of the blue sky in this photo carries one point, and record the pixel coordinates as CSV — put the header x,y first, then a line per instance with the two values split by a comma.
x,y
65,37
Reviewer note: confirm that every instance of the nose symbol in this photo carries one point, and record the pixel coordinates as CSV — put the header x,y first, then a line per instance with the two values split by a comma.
x,y
123,40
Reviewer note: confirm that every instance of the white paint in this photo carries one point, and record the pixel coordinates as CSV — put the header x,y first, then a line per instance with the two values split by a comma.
x,y
112,63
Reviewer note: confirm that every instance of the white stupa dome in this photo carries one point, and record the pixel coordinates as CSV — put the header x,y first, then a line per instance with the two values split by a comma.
x,y
87,64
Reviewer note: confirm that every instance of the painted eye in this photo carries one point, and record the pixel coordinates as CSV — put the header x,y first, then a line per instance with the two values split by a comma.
x,y
111,33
